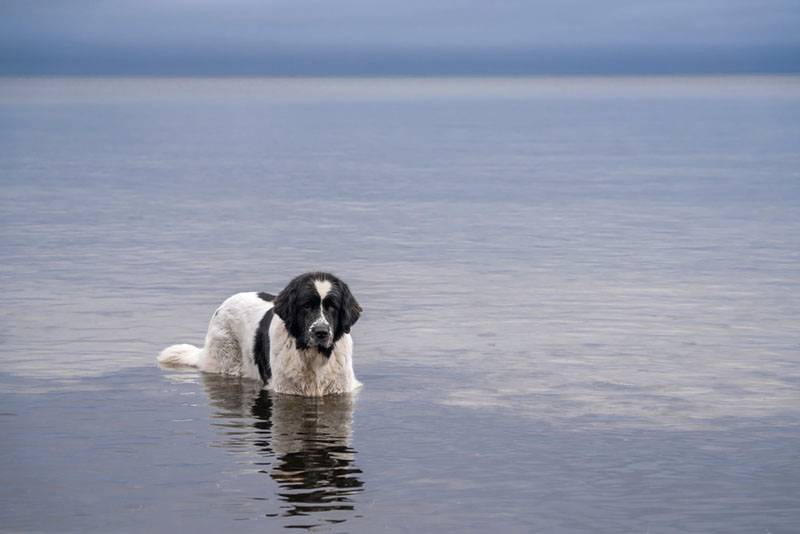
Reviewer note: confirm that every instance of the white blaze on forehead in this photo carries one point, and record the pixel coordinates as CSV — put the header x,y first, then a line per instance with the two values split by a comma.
x,y
323,288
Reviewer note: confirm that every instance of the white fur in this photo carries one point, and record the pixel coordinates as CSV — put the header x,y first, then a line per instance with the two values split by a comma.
x,y
308,372
228,349
182,354
323,288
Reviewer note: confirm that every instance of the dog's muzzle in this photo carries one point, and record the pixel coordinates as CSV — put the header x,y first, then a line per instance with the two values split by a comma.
x,y
321,335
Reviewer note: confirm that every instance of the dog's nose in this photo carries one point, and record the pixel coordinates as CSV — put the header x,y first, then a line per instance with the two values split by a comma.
x,y
320,332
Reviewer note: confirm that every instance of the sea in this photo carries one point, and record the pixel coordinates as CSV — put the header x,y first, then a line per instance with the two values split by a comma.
x,y
581,303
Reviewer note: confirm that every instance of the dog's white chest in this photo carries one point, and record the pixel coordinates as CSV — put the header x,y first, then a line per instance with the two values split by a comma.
x,y
308,372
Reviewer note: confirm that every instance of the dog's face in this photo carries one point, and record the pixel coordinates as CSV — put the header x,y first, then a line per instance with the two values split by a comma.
x,y
318,309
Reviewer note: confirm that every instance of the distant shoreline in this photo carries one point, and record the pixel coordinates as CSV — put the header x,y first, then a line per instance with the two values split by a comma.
x,y
122,88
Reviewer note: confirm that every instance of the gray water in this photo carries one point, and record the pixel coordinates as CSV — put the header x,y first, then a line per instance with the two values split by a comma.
x,y
581,303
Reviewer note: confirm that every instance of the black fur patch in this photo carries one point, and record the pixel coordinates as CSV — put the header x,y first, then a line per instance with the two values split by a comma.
x,y
261,346
298,306
266,296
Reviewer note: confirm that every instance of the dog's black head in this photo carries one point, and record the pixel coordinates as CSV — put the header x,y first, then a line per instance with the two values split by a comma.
x,y
318,309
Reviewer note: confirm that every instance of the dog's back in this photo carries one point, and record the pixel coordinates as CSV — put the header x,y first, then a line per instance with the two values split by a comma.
x,y
230,340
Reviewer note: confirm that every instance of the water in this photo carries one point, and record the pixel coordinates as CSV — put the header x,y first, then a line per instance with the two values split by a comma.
x,y
581,303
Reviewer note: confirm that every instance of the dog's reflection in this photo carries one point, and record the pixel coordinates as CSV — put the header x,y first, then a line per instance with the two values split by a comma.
x,y
304,442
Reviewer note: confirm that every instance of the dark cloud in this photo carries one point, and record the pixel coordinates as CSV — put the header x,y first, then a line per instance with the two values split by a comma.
x,y
412,36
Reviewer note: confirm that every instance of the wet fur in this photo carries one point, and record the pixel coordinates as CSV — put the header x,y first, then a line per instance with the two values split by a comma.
x,y
256,336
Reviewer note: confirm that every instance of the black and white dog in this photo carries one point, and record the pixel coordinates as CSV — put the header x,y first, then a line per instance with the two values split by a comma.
x,y
298,342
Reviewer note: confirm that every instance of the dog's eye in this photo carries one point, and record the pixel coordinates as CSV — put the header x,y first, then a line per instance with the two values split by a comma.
x,y
307,306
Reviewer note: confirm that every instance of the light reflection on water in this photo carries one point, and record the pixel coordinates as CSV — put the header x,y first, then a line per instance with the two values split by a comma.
x,y
304,444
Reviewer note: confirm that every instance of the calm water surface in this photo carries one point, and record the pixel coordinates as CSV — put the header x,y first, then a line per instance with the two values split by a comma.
x,y
582,303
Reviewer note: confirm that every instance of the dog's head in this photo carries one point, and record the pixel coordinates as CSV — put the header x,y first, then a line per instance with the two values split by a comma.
x,y
317,309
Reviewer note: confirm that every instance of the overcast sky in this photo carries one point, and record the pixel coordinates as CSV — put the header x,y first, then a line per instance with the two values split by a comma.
x,y
401,37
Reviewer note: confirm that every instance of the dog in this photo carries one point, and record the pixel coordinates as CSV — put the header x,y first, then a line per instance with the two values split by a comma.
x,y
297,342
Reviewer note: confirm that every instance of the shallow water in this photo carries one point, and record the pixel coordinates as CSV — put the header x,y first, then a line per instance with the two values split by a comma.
x,y
581,303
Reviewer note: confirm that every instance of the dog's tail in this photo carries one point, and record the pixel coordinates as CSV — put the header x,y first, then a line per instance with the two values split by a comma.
x,y
180,355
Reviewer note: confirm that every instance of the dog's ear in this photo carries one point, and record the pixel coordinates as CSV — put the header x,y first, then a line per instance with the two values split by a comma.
x,y
286,305
349,311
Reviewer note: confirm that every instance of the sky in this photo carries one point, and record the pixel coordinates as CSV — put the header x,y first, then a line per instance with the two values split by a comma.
x,y
373,37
